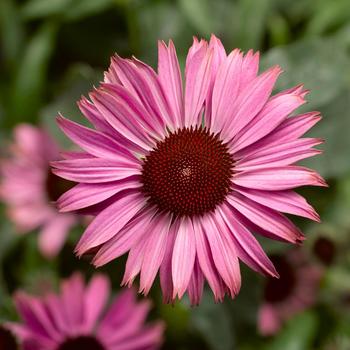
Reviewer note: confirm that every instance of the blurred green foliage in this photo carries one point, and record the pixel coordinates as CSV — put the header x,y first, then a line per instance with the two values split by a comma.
x,y
52,51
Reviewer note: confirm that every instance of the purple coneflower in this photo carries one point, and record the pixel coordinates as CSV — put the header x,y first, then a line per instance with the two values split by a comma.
x,y
179,176
293,292
29,188
77,319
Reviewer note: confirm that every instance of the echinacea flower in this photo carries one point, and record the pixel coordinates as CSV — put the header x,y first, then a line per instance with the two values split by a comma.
x,y
78,319
29,188
178,176
7,339
293,292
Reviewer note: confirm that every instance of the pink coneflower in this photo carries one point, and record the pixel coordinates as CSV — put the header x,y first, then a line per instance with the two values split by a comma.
x,y
29,188
178,176
77,319
293,292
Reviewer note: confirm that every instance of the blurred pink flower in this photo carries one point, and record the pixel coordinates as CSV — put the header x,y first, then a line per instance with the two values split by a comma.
x,y
29,188
179,176
293,292
78,319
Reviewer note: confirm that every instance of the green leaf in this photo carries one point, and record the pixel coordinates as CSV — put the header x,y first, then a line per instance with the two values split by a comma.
x,y
313,63
298,333
201,14
334,129
79,9
11,32
35,9
30,79
214,322
327,15
252,18
78,81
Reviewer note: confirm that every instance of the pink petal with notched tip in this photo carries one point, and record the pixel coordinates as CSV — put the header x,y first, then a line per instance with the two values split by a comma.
x,y
289,130
272,114
170,78
278,178
225,90
142,82
125,239
54,233
280,155
183,257
95,142
165,270
117,113
197,78
206,262
247,247
95,300
107,224
224,253
84,195
266,218
249,102
196,285
250,67
219,55
94,170
283,201
154,251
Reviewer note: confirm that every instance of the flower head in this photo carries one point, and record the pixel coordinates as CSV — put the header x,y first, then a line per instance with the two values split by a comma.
x,y
29,188
293,292
77,319
178,176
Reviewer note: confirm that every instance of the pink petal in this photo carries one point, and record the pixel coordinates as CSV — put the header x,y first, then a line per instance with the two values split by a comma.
x,y
95,142
283,201
84,195
206,262
247,247
154,251
219,55
197,76
250,67
272,114
289,130
134,262
94,170
165,273
280,155
196,285
225,90
278,178
183,257
98,121
147,338
119,115
135,230
144,84
72,293
265,218
95,300
110,221
170,78
250,101
223,252
54,233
